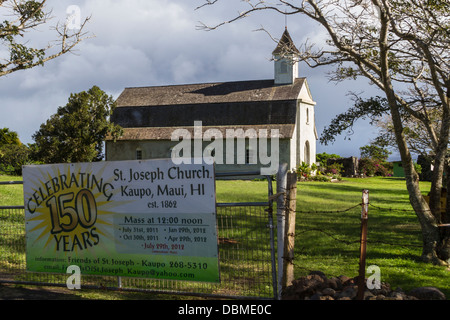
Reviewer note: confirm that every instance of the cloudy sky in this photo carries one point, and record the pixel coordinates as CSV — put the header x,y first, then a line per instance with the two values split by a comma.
x,y
157,42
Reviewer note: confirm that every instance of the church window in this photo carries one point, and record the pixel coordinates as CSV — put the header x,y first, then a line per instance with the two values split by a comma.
x,y
307,153
249,156
138,154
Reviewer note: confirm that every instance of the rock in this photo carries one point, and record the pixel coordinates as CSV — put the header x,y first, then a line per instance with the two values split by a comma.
x,y
319,273
427,293
369,295
316,286
350,282
348,292
307,286
329,292
343,279
335,284
316,296
396,296
383,290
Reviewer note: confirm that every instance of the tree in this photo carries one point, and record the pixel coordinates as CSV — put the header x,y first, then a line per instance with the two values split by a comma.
x,y
323,157
13,157
9,137
373,159
402,47
415,132
373,109
77,131
13,154
376,109
374,151
22,17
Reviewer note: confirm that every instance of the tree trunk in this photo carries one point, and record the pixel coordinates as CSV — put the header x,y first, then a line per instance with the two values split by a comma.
x,y
440,166
432,240
447,212
444,250
436,244
429,224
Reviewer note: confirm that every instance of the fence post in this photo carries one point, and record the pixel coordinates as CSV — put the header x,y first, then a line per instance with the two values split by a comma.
x,y
289,236
362,257
281,189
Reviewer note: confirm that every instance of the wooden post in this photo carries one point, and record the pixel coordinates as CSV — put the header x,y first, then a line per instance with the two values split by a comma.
x,y
362,257
289,237
281,188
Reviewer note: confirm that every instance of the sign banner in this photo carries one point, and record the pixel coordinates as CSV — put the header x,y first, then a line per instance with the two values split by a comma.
x,y
147,218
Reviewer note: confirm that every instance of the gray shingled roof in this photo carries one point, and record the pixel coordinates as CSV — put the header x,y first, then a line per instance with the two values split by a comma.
x,y
285,45
152,113
222,92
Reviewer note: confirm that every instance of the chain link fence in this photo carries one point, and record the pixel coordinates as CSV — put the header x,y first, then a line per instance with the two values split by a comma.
x,y
246,257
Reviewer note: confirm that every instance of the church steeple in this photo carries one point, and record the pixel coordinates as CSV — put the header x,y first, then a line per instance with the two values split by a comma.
x,y
285,58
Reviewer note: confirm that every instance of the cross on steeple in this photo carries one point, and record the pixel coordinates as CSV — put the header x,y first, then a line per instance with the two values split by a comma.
x,y
285,56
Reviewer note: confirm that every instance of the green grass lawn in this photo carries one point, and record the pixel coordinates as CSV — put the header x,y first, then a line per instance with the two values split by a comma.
x,y
329,241
327,234
11,195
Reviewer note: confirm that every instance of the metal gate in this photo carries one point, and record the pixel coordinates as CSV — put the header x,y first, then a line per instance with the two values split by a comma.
x,y
247,254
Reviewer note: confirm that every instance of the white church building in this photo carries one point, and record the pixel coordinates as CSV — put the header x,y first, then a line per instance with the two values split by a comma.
x,y
160,121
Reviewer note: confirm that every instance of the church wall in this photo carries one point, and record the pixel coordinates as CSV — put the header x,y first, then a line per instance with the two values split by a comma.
x,y
306,134
157,149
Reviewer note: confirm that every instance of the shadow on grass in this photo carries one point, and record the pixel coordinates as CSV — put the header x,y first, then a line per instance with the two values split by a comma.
x,y
12,292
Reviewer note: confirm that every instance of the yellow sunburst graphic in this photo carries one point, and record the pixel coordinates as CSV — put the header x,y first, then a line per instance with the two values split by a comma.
x,y
69,209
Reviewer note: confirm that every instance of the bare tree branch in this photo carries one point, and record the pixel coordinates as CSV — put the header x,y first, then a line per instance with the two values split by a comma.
x,y
27,16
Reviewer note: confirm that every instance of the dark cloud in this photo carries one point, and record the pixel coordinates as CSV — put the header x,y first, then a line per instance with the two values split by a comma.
x,y
156,42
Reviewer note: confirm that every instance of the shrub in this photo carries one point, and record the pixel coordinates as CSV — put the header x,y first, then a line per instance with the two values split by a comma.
x,y
321,178
304,171
313,173
373,167
323,157
334,169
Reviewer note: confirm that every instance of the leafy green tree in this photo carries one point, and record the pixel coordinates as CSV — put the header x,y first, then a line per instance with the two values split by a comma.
x,y
77,131
13,154
372,109
373,151
20,18
13,157
323,157
373,160
9,137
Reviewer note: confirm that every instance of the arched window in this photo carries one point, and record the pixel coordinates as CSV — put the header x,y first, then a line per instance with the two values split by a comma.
x,y
307,153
